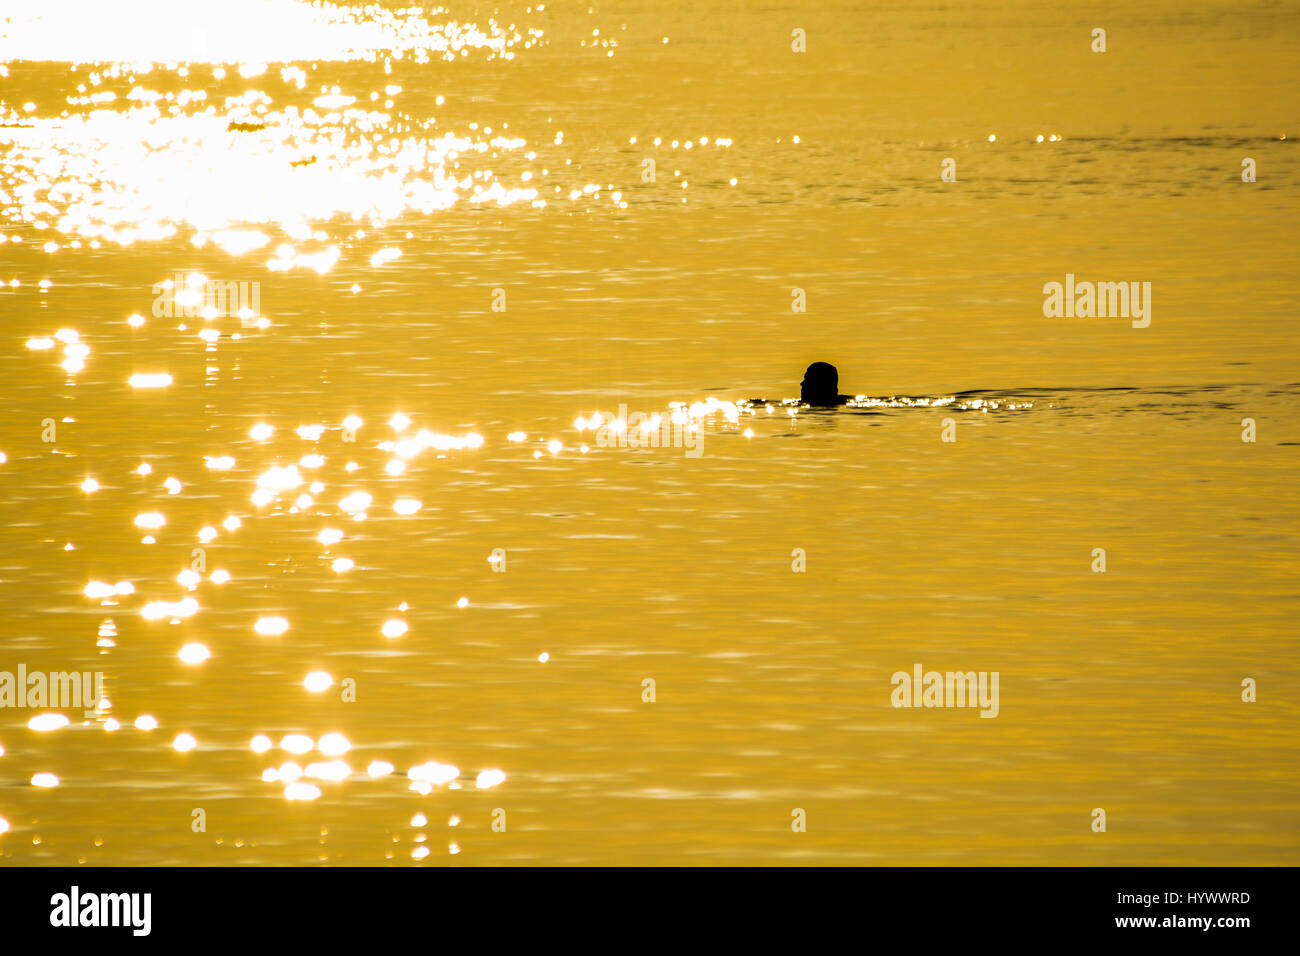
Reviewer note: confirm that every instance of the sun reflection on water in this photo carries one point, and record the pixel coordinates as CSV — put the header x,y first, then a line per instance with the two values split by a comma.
x,y
147,147
236,141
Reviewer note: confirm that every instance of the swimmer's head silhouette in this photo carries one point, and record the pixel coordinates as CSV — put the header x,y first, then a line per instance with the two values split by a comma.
x,y
821,385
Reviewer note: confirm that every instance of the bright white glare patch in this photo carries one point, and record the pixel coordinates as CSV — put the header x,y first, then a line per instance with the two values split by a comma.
x,y
97,590
310,432
330,536
297,743
89,485
76,31
271,626
219,576
260,744
150,520
301,791
357,501
45,780
334,744
150,380
275,480
220,463
317,681
144,469
135,321
379,768
188,578
261,431
343,564
184,743
544,656
45,722
488,779
433,773
462,602
173,486
406,506
334,101
399,422
145,722
394,628
207,534
334,770
157,610
194,653
419,820
231,523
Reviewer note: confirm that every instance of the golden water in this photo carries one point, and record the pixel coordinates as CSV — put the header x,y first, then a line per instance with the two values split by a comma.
x,y
1119,690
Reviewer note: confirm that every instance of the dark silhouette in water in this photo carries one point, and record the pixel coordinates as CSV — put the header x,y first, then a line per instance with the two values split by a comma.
x,y
821,386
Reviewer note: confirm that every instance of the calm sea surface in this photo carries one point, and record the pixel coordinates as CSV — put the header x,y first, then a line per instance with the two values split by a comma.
x,y
449,216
